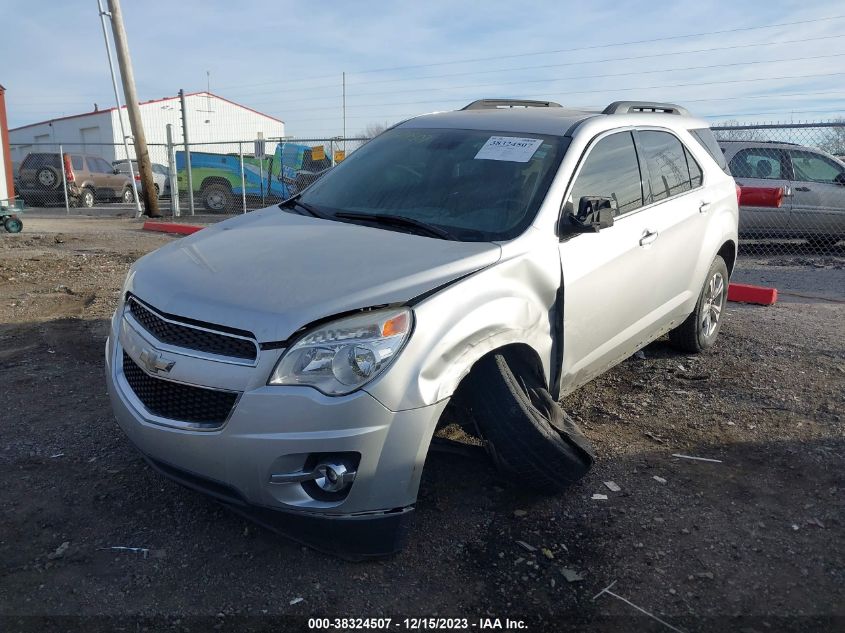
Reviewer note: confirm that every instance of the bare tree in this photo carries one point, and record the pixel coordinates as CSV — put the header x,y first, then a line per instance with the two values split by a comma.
x,y
833,139
733,130
374,129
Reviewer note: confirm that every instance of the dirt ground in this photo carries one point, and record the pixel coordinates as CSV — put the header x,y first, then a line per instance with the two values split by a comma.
x,y
753,542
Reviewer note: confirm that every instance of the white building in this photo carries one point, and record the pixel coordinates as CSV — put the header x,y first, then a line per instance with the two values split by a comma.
x,y
211,119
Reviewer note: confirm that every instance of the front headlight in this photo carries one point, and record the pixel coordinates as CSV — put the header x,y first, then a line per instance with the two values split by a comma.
x,y
344,355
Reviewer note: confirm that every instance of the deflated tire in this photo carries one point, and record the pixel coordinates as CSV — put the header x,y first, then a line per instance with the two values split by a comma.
x,y
528,435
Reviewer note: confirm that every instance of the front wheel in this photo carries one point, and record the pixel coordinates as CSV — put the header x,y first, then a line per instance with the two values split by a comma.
x,y
528,435
128,197
699,331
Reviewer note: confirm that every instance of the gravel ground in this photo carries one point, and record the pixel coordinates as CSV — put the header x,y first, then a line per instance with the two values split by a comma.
x,y
753,542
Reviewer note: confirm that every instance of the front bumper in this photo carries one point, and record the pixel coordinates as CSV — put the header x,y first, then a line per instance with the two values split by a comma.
x,y
273,429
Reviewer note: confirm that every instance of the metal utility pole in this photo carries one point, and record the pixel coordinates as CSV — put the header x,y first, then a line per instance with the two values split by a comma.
x,y
128,78
344,112
171,172
187,151
103,15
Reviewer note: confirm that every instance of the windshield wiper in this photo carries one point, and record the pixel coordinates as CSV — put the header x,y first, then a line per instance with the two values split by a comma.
x,y
311,210
399,221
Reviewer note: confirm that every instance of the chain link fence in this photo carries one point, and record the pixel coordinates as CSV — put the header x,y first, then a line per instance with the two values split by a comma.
x,y
229,177
220,178
805,160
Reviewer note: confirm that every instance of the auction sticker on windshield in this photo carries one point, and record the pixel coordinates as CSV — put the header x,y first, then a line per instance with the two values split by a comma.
x,y
511,148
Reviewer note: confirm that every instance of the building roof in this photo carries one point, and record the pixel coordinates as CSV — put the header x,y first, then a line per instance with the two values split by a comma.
x,y
112,109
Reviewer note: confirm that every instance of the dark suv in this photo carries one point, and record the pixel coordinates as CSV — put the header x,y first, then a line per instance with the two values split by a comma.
x,y
88,178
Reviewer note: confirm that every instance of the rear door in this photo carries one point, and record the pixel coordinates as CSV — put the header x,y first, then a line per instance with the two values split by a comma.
x,y
818,194
762,167
678,217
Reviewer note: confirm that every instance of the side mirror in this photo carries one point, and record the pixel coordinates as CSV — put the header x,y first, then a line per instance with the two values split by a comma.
x,y
115,171
840,178
594,213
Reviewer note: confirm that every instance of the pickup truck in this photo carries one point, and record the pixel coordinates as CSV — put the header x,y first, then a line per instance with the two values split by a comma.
x,y
217,177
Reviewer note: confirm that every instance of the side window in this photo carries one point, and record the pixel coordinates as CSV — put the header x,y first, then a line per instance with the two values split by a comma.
x,y
667,164
758,163
93,165
611,170
708,141
76,161
695,175
814,167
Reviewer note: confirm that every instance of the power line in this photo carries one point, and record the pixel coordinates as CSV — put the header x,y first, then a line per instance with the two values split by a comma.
x,y
555,51
545,66
555,79
594,91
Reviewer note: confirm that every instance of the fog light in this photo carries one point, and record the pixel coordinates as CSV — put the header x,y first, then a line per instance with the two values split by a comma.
x,y
324,476
333,477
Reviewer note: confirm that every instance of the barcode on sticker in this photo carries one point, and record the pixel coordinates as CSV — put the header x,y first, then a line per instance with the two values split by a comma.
x,y
517,150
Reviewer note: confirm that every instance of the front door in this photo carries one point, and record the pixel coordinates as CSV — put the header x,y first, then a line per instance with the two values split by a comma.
x,y
818,195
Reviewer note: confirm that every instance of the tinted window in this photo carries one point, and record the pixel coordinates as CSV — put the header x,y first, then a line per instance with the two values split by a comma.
x,y
758,163
99,165
478,185
708,141
76,161
695,175
36,161
611,170
813,167
667,164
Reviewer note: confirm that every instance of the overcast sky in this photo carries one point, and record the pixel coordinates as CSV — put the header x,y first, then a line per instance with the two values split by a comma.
x,y
403,58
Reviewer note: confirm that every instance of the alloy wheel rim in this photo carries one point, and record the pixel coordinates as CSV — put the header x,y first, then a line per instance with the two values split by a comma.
x,y
215,200
714,301
47,178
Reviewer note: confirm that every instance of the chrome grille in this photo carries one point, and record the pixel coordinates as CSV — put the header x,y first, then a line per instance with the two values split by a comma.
x,y
175,401
191,337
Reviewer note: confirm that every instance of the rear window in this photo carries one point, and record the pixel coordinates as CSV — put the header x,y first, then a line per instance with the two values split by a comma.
x,y
34,161
708,141
76,161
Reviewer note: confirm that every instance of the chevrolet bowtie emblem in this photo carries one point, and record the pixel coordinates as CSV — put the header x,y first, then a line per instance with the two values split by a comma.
x,y
155,362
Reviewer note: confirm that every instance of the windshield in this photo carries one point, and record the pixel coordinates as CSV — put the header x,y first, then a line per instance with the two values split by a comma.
x,y
476,185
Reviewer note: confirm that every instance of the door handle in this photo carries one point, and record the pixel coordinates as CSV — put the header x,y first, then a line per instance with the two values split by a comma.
x,y
648,237
704,207
802,189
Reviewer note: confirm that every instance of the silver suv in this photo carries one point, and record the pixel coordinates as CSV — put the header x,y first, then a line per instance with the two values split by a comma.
x,y
814,186
295,362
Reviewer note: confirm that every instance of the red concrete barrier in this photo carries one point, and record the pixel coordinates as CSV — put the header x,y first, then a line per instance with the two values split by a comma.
x,y
171,227
745,293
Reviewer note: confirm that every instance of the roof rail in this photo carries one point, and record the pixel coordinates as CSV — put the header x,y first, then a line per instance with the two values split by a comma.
x,y
492,104
629,107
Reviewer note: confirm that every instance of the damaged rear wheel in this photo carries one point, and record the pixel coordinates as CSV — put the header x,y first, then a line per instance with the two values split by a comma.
x,y
528,435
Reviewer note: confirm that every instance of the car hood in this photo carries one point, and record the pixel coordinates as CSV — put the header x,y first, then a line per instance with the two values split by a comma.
x,y
271,272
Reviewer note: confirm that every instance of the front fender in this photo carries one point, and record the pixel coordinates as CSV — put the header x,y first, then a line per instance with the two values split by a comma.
x,y
511,302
